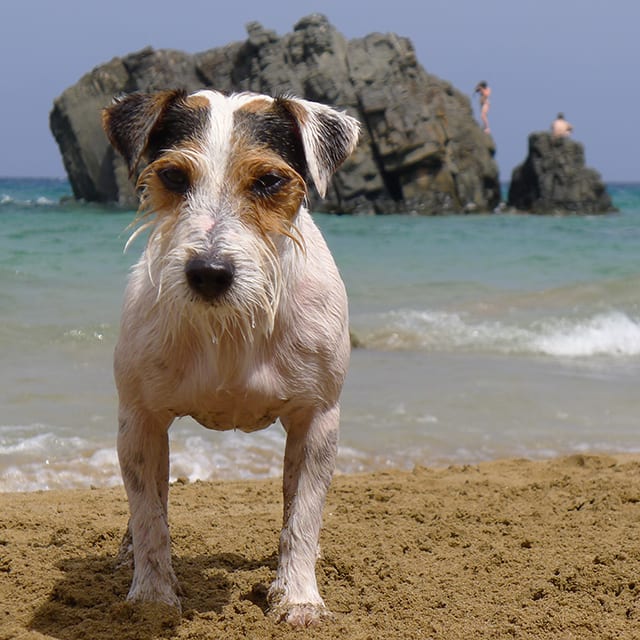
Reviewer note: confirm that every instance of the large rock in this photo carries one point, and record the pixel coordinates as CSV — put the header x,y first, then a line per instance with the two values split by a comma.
x,y
421,149
554,179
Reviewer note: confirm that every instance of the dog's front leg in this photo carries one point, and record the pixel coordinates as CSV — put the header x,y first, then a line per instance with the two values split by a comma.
x,y
143,450
309,462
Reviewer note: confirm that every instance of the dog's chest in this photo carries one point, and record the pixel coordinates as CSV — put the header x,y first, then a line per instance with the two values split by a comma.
x,y
236,418
250,402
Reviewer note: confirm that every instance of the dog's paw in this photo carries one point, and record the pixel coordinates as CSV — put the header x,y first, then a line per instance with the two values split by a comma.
x,y
301,615
162,596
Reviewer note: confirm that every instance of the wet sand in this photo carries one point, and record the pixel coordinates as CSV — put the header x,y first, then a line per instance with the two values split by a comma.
x,y
506,549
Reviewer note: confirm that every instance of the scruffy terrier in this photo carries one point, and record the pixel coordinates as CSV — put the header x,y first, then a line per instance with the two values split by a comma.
x,y
235,314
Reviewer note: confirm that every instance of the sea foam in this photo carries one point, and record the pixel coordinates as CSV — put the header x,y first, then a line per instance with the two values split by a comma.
x,y
613,334
47,461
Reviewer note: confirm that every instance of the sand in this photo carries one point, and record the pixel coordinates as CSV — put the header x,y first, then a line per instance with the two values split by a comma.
x,y
507,549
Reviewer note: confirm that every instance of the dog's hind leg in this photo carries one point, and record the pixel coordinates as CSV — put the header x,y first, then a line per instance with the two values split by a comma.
x,y
143,450
309,462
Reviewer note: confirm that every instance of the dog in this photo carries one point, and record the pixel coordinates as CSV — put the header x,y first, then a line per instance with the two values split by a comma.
x,y
235,313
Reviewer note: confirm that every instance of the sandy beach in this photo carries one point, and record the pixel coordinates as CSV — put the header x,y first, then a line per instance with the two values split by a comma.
x,y
506,549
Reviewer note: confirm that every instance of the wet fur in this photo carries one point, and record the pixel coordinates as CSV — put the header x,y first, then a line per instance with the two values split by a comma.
x,y
274,345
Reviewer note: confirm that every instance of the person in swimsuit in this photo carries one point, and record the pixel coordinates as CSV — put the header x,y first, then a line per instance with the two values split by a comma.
x,y
560,128
483,90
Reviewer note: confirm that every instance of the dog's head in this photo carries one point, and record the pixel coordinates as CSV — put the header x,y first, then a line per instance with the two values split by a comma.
x,y
223,179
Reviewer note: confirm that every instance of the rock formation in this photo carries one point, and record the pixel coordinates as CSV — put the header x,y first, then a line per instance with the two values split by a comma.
x,y
554,179
421,149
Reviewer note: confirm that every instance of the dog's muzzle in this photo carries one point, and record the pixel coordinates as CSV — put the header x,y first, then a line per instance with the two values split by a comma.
x,y
209,278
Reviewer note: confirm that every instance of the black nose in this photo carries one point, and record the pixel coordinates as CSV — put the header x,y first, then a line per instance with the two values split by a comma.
x,y
209,278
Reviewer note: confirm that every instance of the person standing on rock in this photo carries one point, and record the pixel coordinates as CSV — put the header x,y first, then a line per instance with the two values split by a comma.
x,y
483,90
560,128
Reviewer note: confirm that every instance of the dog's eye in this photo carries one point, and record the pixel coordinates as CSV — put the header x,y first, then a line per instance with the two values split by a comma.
x,y
268,184
174,179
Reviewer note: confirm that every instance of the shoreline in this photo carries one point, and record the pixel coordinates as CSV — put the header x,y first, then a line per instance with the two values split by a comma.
x,y
508,548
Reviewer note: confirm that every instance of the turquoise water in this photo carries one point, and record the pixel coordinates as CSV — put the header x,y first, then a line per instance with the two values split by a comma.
x,y
482,337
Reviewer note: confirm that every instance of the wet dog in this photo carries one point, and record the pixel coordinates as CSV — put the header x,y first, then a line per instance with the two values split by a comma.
x,y
235,314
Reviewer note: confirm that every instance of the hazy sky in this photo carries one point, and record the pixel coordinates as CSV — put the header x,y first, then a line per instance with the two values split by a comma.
x,y
581,57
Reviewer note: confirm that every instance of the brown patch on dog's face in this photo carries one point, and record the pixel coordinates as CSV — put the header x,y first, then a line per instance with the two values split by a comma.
x,y
258,105
198,103
166,181
269,190
267,167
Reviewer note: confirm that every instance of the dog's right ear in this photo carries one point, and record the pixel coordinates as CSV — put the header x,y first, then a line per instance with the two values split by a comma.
x,y
131,119
328,137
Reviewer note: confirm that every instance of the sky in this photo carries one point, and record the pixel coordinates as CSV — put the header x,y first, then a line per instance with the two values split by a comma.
x,y
581,57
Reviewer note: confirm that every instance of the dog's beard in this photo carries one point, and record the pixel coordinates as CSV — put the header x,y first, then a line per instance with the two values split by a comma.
x,y
246,310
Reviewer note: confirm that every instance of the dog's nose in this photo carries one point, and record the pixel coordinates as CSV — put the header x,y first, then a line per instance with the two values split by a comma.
x,y
209,278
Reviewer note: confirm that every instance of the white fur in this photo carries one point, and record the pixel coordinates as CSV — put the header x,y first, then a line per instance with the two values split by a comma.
x,y
277,347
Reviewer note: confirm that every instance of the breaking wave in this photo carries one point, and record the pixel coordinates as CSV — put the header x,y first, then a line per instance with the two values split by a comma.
x,y
605,334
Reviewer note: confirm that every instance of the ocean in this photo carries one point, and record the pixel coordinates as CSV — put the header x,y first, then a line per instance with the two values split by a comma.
x,y
481,337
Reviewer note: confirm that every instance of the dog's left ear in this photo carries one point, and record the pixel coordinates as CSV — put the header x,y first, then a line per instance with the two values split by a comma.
x,y
328,137
131,119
